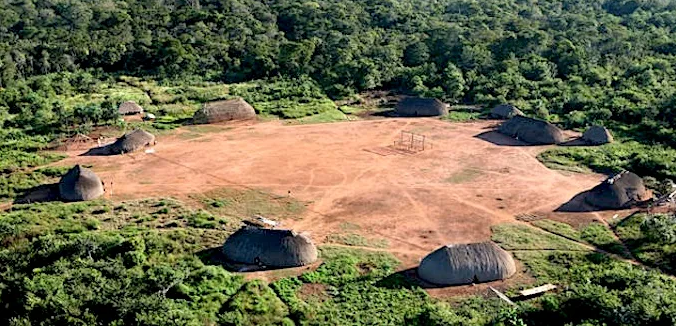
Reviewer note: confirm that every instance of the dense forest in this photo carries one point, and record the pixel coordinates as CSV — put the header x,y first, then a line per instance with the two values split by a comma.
x,y
65,66
571,61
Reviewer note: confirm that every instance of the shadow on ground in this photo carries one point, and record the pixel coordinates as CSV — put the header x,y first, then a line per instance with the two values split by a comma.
x,y
406,279
105,150
574,142
578,204
39,194
499,139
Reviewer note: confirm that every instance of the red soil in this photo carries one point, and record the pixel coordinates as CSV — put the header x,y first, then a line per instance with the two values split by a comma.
x,y
451,193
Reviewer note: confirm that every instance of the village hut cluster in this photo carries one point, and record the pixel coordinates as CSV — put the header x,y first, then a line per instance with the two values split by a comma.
x,y
451,264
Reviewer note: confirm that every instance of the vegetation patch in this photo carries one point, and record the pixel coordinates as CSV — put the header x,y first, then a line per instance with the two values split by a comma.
x,y
523,237
650,238
246,203
644,160
353,239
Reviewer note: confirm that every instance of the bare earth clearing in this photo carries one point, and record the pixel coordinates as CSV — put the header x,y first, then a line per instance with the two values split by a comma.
x,y
451,193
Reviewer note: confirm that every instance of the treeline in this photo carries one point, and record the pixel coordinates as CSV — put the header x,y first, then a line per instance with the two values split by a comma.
x,y
574,62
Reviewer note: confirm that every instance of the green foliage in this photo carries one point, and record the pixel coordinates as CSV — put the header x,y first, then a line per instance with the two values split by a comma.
x,y
559,228
600,236
645,160
660,228
523,237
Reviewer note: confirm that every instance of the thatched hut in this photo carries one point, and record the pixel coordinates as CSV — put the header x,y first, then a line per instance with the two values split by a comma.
x,y
532,131
269,247
227,110
505,111
131,142
420,107
130,107
622,190
466,263
597,135
80,184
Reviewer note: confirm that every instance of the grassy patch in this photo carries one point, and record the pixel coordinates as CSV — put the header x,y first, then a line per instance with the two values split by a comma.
x,y
13,185
353,239
323,117
600,236
559,228
243,204
462,115
645,160
522,237
661,255
466,175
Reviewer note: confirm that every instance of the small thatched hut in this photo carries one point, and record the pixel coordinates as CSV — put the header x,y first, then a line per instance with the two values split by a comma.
x,y
420,107
227,110
269,247
597,135
132,141
80,184
533,131
505,111
466,263
130,107
617,192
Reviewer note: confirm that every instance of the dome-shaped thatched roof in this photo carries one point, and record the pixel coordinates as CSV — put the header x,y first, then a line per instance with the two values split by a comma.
x,y
505,111
420,107
597,135
227,110
619,191
531,130
80,184
132,141
130,107
466,263
277,248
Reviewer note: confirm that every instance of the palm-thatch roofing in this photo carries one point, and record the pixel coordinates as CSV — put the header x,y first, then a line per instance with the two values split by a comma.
x,y
80,184
466,263
420,107
130,107
622,190
505,111
227,110
597,135
269,247
533,131
131,142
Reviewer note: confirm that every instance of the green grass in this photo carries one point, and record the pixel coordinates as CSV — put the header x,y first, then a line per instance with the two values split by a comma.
x,y
645,160
462,115
600,236
523,237
559,228
353,239
244,203
323,117
660,255
14,185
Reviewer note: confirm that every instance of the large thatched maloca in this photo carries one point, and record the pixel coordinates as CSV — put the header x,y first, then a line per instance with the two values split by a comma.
x,y
622,190
227,110
467,263
132,141
130,107
268,247
420,107
80,184
505,111
532,131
